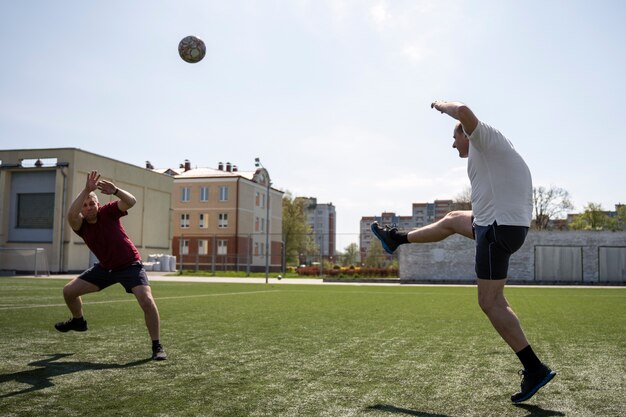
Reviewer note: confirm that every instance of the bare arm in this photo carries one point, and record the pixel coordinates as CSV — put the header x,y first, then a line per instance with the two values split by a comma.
x,y
458,111
74,217
126,199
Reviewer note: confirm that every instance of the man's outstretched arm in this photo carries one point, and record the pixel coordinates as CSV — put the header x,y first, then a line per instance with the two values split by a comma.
x,y
458,111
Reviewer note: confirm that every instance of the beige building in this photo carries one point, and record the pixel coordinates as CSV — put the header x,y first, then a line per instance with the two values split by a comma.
x,y
220,219
38,185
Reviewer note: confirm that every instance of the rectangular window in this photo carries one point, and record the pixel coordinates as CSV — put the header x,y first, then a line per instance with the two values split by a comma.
x,y
222,247
222,220
204,194
256,224
203,222
35,211
184,220
184,247
263,201
257,199
223,193
263,225
203,247
185,193
262,249
256,248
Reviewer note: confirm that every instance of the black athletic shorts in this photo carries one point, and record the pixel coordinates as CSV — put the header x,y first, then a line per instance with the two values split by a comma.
x,y
494,246
129,277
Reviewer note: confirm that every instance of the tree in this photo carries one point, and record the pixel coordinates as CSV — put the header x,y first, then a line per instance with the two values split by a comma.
x,y
375,255
621,216
549,203
297,235
463,200
593,218
351,255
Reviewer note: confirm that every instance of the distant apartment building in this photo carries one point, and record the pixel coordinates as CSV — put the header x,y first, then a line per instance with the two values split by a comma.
x,y
322,220
421,215
219,218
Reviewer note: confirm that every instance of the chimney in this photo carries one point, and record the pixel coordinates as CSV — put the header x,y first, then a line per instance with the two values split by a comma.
x,y
187,165
228,167
220,166
149,165
235,169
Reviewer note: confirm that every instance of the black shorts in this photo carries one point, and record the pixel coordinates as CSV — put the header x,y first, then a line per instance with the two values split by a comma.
x,y
129,277
494,246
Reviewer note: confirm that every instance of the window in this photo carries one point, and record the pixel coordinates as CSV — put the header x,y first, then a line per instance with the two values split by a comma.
x,y
262,249
35,211
185,193
222,220
222,247
204,194
223,193
257,199
256,224
256,248
263,201
263,225
184,220
203,222
184,247
203,246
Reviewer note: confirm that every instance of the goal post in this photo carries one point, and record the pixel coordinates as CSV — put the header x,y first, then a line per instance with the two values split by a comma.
x,y
24,261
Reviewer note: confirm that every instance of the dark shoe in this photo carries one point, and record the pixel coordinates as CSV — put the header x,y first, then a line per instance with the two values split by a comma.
x,y
531,382
71,324
158,354
385,235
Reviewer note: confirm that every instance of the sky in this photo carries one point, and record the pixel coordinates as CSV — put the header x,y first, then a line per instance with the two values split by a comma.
x,y
333,96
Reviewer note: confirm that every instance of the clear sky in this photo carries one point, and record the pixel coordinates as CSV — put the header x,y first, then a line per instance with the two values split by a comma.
x,y
333,96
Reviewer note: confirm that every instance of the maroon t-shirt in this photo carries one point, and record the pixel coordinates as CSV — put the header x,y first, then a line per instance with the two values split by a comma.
x,y
108,240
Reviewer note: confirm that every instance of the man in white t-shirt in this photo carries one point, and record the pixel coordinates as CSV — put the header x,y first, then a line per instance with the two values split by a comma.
x,y
498,222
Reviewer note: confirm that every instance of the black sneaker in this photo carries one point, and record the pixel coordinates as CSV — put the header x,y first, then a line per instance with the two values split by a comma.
x,y
386,239
158,353
78,325
531,382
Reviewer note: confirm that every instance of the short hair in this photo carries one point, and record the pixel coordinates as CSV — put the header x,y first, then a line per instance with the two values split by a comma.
x,y
459,128
93,196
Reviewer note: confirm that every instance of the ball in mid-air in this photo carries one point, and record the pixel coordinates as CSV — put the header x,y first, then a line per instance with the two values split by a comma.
x,y
191,49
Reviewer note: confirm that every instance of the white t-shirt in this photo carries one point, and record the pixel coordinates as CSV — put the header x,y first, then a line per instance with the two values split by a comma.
x,y
501,182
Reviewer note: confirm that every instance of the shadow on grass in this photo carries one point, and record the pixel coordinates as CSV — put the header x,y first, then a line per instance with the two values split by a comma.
x,y
41,377
536,411
397,410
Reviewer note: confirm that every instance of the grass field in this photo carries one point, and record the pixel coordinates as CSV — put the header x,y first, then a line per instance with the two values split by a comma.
x,y
307,350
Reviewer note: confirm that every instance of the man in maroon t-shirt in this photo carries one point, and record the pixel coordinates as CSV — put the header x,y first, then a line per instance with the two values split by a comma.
x,y
119,260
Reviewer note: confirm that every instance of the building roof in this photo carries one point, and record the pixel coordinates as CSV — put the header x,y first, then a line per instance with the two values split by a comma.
x,y
212,173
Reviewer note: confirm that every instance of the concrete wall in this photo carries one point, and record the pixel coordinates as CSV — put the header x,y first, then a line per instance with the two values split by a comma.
x,y
147,223
452,260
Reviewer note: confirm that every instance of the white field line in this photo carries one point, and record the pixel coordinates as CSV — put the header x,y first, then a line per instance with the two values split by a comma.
x,y
128,300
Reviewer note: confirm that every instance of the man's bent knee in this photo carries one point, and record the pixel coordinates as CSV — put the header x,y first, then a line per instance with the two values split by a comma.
x,y
144,297
78,287
459,222
491,295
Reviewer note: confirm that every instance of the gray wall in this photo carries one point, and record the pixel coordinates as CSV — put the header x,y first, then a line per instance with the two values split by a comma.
x,y
453,259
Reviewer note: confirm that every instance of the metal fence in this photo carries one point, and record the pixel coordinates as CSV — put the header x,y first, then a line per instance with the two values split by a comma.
x,y
246,253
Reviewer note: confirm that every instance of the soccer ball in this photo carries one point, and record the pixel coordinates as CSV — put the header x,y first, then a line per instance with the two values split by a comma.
x,y
191,49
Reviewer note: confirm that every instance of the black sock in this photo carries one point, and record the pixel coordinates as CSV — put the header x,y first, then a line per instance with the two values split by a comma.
x,y
529,360
155,344
78,319
400,237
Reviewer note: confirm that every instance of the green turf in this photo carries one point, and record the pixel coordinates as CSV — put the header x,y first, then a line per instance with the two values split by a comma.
x,y
307,350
